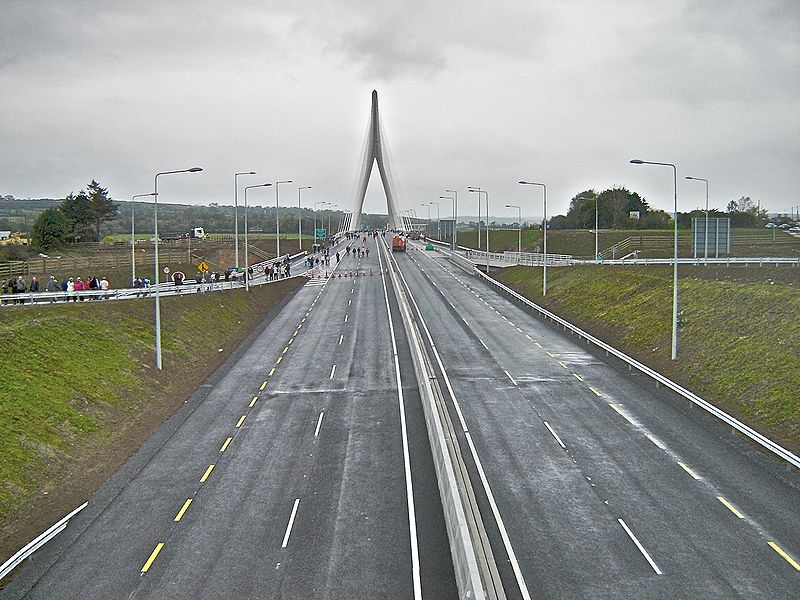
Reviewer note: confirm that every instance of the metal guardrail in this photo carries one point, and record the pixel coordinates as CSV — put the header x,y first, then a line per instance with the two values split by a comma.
x,y
749,432
732,260
37,543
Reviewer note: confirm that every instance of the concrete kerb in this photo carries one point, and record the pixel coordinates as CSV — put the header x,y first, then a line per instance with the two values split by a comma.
x,y
766,443
470,563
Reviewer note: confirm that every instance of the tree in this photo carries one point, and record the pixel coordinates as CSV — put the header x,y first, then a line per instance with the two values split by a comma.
x,y
77,211
745,204
102,208
49,230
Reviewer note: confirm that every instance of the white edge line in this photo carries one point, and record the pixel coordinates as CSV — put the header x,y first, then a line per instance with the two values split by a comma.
x,y
341,337
291,522
509,376
483,344
412,511
333,370
639,546
319,423
555,435
512,557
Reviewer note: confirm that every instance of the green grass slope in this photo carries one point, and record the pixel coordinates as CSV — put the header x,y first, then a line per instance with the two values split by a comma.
x,y
79,393
739,346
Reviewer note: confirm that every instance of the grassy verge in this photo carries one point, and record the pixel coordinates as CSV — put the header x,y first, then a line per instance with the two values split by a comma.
x,y
79,393
738,347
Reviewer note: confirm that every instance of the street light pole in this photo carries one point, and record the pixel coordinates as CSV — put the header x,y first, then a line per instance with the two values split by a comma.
x,y
519,230
236,216
246,229
330,210
455,218
479,191
155,227
438,227
675,257
133,235
544,234
706,237
453,233
278,218
300,217
323,203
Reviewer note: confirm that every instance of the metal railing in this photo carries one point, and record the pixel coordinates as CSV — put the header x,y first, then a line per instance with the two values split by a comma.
x,y
730,260
164,288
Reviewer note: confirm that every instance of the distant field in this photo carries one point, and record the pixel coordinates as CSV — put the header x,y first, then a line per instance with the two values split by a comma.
x,y
738,347
80,393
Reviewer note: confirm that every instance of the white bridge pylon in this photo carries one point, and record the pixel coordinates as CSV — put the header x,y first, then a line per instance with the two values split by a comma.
x,y
375,153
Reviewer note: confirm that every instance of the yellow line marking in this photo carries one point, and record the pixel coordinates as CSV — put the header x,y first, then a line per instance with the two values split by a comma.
x,y
578,377
730,507
241,420
561,362
271,371
291,341
596,393
285,350
538,344
253,401
263,385
301,324
616,408
183,510
207,473
788,558
150,560
225,445
550,354
692,473
303,320
280,358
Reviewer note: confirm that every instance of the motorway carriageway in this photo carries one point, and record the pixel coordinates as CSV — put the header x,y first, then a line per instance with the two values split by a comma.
x,y
300,469
592,482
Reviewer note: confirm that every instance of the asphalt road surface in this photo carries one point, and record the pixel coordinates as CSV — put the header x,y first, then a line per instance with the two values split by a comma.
x,y
592,482
299,470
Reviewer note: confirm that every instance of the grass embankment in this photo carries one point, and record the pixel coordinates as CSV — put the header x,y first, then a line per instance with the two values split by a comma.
x,y
79,392
739,346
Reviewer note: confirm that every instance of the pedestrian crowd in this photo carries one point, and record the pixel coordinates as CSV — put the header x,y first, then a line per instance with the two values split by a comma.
x,y
70,286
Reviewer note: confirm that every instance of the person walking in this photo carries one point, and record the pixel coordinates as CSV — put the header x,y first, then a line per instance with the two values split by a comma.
x,y
71,290
79,287
34,284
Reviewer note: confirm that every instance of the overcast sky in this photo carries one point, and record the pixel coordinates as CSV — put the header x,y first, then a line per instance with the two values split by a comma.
x,y
471,93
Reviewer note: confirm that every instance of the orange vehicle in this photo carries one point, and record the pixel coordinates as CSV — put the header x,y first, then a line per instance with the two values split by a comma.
x,y
398,244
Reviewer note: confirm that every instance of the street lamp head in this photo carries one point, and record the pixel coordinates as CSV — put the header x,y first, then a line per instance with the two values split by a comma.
x,y
195,170
524,183
636,161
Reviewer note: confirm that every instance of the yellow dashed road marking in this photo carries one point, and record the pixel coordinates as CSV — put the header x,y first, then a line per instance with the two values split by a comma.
x,y
183,510
150,560
207,473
